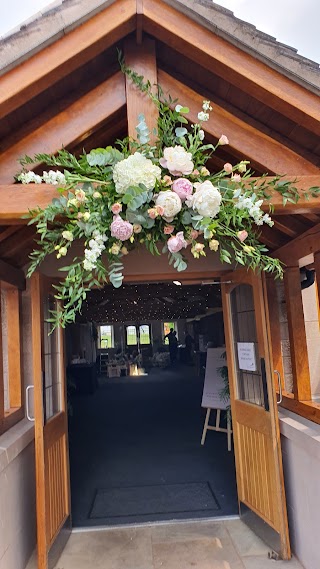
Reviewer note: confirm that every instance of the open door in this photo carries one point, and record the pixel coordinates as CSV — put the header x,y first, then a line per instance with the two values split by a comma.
x,y
261,494
51,428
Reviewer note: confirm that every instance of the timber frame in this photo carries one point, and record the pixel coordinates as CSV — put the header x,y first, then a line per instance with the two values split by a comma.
x,y
71,93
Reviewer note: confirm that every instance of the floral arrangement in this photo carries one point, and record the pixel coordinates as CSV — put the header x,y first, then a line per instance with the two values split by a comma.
x,y
162,196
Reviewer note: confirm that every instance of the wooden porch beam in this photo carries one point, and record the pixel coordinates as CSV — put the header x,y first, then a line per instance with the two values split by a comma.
x,y
62,57
297,334
305,244
12,276
69,127
17,199
243,70
245,141
141,58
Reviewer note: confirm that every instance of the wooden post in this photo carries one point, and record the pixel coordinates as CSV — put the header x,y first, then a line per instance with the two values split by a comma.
x,y
317,269
142,59
275,335
297,334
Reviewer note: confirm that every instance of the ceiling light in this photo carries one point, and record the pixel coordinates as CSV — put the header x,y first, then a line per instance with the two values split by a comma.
x,y
178,283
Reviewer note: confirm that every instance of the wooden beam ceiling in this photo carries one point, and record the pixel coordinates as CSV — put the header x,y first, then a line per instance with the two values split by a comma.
x,y
141,59
17,199
242,70
245,140
69,127
68,53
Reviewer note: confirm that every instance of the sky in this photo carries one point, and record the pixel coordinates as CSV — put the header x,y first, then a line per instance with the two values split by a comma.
x,y
294,22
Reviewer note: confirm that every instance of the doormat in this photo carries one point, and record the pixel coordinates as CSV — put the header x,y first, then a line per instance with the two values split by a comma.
x,y
152,500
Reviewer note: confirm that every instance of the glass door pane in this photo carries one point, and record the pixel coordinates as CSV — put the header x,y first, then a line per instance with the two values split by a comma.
x,y
251,385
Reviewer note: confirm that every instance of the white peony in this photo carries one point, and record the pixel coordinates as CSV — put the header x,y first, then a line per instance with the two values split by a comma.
x,y
206,200
134,170
171,204
177,160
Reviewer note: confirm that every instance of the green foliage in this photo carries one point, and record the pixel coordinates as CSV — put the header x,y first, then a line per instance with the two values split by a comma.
x,y
82,211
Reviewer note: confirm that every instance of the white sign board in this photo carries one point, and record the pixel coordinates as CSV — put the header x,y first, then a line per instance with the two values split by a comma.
x,y
246,356
213,382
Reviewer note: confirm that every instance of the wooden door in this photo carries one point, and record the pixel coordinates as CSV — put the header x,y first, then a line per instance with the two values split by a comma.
x,y
51,428
260,483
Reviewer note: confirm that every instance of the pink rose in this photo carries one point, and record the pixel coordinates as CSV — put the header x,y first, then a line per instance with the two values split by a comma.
x,y
152,213
116,208
242,235
236,178
160,209
228,168
194,234
195,173
183,188
168,229
121,229
223,140
81,196
176,242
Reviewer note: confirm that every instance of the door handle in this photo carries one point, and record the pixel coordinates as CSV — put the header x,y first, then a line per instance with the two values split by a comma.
x,y
29,417
280,385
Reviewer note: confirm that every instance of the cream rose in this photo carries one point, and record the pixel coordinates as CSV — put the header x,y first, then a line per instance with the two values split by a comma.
x,y
177,160
171,204
206,200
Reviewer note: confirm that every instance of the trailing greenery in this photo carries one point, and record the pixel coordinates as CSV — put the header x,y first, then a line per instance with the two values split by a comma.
x,y
160,195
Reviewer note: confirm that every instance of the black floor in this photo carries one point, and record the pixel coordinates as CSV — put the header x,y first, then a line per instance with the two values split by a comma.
x,y
145,432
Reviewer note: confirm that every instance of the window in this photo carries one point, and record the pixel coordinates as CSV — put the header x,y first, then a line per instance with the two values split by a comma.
x,y
166,329
144,334
131,336
106,336
11,409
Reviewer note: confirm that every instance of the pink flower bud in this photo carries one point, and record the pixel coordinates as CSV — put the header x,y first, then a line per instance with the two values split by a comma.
x,y
152,213
166,180
242,235
116,208
236,178
223,140
168,229
228,168
194,234
160,209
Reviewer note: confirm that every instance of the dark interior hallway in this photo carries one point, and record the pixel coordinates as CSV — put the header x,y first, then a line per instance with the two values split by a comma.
x,y
135,453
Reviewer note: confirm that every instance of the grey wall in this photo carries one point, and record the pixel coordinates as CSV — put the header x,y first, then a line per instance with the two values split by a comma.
x,y
300,440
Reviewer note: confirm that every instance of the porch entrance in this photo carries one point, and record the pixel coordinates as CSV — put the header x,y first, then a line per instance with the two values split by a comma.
x,y
251,474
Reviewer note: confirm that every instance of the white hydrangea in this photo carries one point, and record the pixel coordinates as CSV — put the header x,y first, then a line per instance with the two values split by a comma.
x,y
253,206
29,178
134,170
54,177
202,116
91,254
206,200
171,203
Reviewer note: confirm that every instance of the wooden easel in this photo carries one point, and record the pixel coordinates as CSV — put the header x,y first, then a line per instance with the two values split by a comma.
x,y
207,427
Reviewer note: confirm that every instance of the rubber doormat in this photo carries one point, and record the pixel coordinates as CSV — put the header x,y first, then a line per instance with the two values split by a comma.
x,y
150,500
